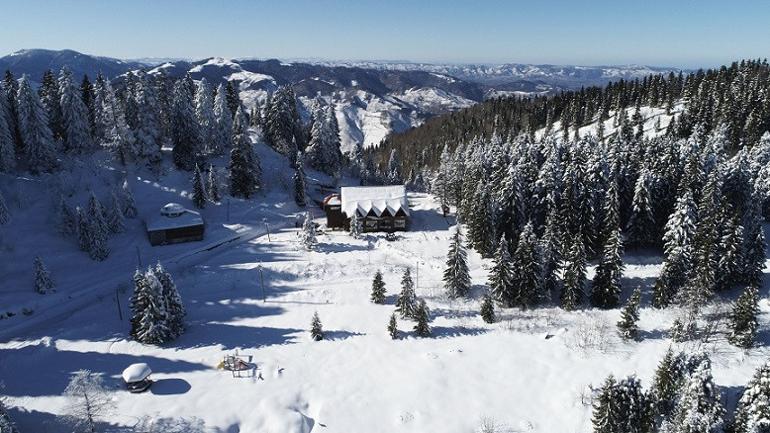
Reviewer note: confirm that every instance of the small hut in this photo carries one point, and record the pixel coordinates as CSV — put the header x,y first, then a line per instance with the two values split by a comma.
x,y
380,208
175,224
137,377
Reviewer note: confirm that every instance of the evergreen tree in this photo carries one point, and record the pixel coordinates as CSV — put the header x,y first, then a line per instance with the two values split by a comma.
x,y
393,327
299,182
88,95
753,249
753,412
622,407
43,282
138,303
241,177
678,245
308,236
111,126
698,410
526,270
406,302
150,320
422,316
204,114
222,138
148,125
6,423
606,413
7,149
457,280
96,213
574,275
76,125
743,320
198,189
316,330
186,133
641,227
212,186
378,289
50,97
488,308
66,219
83,229
667,383
115,220
232,96
127,201
35,135
171,299
323,151
356,226
394,169
627,327
282,125
550,255
501,275
5,214
606,284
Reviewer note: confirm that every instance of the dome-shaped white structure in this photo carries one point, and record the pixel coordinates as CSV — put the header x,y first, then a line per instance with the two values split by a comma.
x,y
172,210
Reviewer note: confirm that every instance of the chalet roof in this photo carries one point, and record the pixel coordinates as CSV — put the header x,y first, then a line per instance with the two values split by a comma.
x,y
173,216
374,198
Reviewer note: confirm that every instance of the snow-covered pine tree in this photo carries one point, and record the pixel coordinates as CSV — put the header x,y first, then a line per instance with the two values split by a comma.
x,y
127,200
34,132
6,423
96,213
753,412
43,282
574,278
148,128
501,275
171,298
394,169
422,316
7,148
113,131
323,151
607,417
50,97
699,408
66,222
75,121
550,256
116,222
678,250
198,189
204,114
743,319
526,270
241,177
378,288
393,327
316,329
282,124
97,246
83,229
635,406
88,401
488,308
406,302
641,228
222,138
668,382
307,235
299,182
212,186
753,248
356,226
457,280
153,319
627,327
5,214
186,133
729,254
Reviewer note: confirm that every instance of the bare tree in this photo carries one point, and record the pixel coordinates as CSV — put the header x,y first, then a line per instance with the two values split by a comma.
x,y
88,400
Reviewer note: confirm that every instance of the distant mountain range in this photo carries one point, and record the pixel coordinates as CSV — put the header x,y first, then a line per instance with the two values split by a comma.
x,y
372,98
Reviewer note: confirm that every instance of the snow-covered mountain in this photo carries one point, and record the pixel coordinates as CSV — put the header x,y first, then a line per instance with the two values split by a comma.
x,y
372,98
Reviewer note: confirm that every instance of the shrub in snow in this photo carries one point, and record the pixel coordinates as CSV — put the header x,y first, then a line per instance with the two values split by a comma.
x,y
43,282
406,302
378,289
753,412
629,316
457,280
488,308
422,316
88,400
743,319
393,327
316,330
198,189
307,236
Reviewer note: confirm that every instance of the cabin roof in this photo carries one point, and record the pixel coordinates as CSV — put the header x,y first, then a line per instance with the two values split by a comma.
x,y
165,221
375,199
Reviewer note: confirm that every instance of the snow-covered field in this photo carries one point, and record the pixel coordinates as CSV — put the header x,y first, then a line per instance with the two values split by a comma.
x,y
530,371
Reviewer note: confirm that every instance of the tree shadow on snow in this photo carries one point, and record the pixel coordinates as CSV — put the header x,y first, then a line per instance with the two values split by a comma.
x,y
456,331
234,336
340,335
46,422
170,387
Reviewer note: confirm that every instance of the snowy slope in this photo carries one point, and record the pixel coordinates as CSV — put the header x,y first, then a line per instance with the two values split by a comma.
x,y
358,379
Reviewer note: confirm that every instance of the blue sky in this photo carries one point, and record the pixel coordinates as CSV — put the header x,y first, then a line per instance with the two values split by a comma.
x,y
685,33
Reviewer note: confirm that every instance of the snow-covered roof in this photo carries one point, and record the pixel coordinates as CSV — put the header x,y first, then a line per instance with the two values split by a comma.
x,y
374,198
136,372
172,216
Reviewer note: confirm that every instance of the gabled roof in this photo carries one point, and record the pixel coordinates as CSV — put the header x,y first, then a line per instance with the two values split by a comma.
x,y
174,216
374,198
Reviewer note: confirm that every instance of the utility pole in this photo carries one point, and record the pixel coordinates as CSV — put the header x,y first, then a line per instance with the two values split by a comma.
x,y
267,227
262,282
117,300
